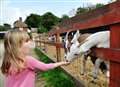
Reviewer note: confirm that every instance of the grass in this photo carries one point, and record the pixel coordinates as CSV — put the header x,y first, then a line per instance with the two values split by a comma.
x,y
55,77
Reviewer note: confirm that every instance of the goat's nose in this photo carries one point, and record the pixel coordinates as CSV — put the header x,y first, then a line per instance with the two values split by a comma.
x,y
67,61
76,54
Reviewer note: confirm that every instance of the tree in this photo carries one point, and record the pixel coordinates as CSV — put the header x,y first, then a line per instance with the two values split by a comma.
x,y
49,20
99,5
5,27
81,10
42,29
33,20
88,8
64,17
2,28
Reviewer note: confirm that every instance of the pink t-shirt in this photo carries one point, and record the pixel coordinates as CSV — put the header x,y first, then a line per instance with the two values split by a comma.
x,y
26,78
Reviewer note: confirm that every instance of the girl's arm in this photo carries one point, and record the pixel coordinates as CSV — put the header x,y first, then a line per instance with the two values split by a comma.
x,y
36,64
60,63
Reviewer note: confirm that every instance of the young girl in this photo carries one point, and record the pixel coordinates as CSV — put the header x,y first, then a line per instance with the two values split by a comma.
x,y
18,67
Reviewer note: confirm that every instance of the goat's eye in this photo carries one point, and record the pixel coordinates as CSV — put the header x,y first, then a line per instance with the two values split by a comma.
x,y
71,43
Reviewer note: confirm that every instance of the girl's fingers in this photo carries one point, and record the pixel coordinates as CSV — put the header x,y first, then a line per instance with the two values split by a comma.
x,y
65,63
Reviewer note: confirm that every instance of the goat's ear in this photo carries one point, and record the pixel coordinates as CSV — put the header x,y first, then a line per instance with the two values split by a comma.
x,y
72,33
77,32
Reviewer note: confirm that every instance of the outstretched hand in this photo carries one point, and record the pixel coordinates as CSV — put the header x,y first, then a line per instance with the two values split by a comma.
x,y
65,63
61,63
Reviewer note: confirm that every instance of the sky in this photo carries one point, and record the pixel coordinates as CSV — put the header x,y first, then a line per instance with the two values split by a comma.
x,y
11,10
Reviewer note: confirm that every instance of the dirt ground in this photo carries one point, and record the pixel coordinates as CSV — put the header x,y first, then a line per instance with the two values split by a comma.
x,y
74,69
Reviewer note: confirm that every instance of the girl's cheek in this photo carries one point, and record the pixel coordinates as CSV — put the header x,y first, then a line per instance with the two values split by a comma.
x,y
31,44
25,49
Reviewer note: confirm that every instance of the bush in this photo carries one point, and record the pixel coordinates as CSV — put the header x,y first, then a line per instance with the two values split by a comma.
x,y
42,29
55,77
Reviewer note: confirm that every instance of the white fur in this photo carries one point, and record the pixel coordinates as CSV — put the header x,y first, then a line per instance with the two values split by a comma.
x,y
77,34
99,39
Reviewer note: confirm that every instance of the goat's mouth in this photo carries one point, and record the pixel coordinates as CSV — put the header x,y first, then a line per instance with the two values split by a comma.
x,y
71,60
67,60
76,54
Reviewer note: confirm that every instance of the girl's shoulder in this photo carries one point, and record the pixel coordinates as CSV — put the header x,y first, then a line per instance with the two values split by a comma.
x,y
30,59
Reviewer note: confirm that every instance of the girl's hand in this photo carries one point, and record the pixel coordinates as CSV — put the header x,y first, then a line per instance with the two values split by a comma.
x,y
61,63
65,63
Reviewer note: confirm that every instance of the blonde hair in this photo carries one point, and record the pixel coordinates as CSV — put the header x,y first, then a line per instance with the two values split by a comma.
x,y
14,60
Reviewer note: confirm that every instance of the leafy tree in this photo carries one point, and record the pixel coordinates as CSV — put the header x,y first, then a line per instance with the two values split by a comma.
x,y
81,10
88,8
5,27
33,20
42,29
64,17
49,20
2,28
99,5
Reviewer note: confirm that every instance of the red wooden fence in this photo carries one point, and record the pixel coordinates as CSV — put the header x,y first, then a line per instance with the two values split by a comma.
x,y
110,18
113,55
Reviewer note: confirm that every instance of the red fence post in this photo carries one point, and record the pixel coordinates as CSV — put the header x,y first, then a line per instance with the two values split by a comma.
x,y
115,66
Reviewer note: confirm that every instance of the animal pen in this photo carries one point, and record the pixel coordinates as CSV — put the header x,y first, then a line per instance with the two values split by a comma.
x,y
107,16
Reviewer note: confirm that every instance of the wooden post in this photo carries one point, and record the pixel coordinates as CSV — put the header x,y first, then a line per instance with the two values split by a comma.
x,y
113,55
115,66
44,42
39,40
58,50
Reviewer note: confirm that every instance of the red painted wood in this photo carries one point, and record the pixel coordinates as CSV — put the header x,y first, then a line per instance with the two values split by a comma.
x,y
108,54
115,66
115,36
111,16
113,55
107,19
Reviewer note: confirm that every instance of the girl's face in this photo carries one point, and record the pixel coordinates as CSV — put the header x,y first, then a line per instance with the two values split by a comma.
x,y
26,46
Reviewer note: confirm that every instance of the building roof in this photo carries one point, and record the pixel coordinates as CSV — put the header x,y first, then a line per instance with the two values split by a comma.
x,y
20,24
